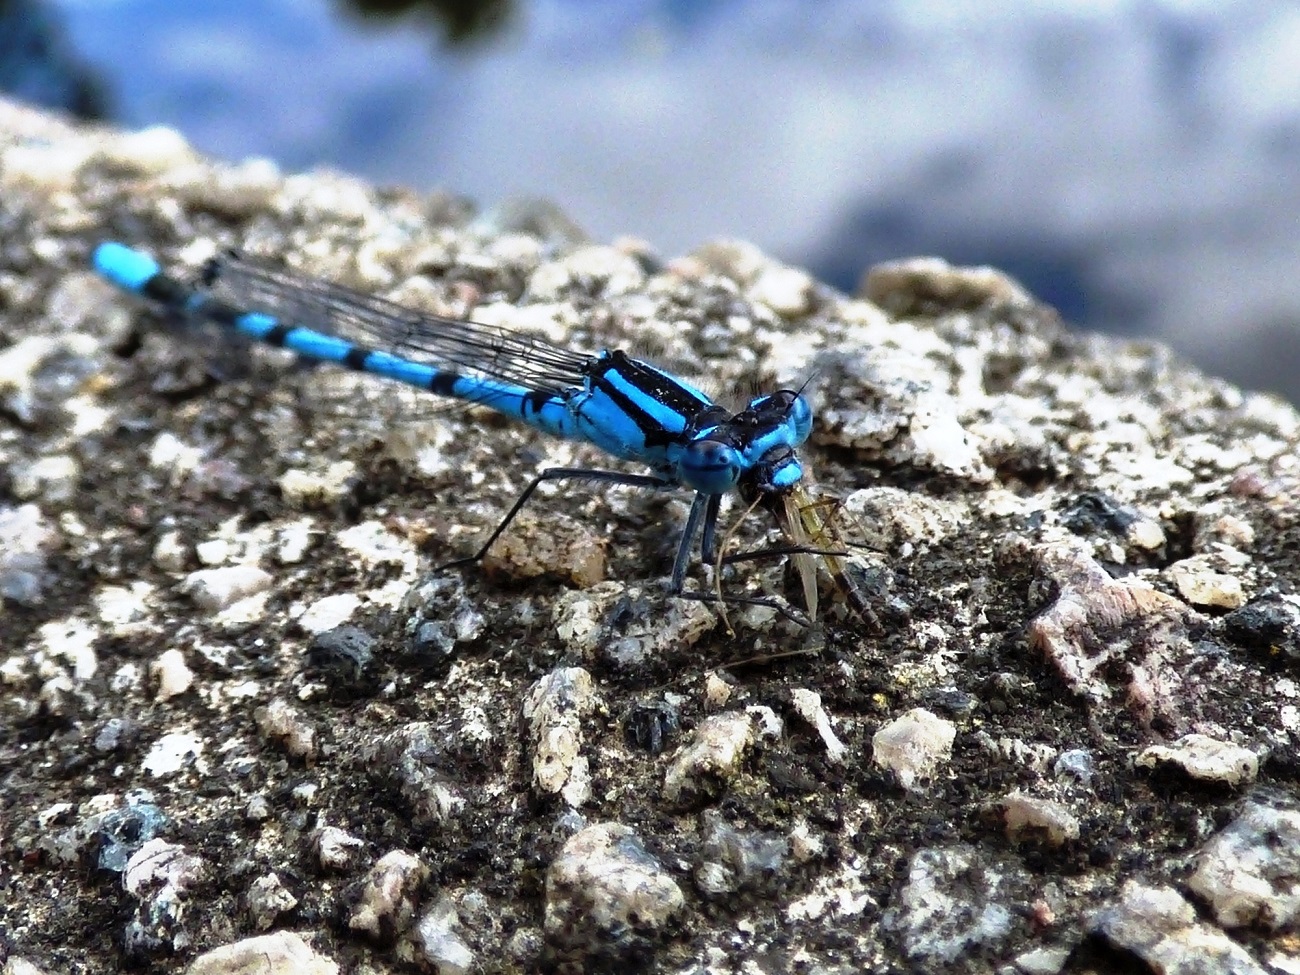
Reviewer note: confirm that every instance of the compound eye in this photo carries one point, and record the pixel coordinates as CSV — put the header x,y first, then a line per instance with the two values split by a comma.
x,y
711,466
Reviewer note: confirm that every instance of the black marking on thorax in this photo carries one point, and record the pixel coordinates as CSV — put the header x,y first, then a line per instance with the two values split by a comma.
x,y
656,386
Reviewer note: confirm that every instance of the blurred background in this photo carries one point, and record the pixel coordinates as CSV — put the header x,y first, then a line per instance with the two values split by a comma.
x,y
1134,162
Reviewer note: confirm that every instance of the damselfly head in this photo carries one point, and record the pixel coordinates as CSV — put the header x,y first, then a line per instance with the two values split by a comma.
x,y
770,429
753,449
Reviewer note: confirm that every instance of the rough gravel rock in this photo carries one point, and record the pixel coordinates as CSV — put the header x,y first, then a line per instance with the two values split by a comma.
x,y
244,724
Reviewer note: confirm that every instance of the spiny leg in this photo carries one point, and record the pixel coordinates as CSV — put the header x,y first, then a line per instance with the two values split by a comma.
x,y
709,538
706,506
713,553
709,551
702,501
780,551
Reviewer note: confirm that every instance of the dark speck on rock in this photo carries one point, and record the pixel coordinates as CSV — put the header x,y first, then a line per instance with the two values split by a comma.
x,y
421,766
651,726
1077,764
344,658
122,831
442,617
1093,513
116,734
218,478
733,858
384,903
951,701
789,775
433,648
607,897
27,536
625,612
1269,625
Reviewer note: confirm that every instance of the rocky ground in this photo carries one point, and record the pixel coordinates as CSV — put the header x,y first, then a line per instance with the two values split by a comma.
x,y
243,727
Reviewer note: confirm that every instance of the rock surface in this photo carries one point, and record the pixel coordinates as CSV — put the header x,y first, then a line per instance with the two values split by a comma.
x,y
241,724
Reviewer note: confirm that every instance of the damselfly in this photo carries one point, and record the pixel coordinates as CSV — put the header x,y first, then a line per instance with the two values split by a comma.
x,y
626,407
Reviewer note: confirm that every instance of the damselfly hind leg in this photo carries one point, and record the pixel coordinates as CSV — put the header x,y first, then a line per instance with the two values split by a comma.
x,y
554,474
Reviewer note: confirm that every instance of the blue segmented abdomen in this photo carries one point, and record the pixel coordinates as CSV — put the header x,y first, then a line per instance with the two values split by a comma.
x,y
140,274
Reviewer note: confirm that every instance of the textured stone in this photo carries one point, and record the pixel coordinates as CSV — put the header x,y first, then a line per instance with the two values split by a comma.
x,y
914,746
